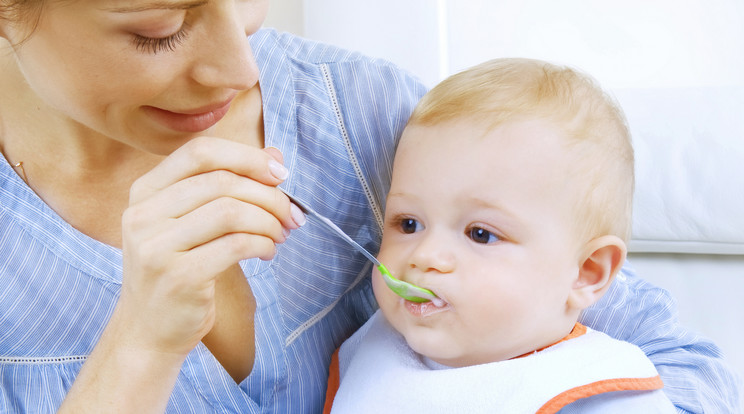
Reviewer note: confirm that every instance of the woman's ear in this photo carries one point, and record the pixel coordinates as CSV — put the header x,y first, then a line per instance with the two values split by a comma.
x,y
599,263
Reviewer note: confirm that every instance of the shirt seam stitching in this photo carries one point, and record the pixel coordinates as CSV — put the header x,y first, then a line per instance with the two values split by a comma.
x,y
43,360
347,143
325,311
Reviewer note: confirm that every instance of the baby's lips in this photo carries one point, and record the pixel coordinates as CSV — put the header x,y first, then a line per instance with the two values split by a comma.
x,y
438,302
428,308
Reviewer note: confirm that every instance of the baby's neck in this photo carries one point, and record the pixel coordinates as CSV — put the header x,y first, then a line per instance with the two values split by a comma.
x,y
577,331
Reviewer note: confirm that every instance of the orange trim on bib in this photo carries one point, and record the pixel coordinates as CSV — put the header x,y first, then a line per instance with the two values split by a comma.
x,y
576,332
600,387
334,380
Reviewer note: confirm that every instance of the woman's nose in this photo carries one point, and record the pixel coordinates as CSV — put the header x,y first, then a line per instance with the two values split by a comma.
x,y
433,252
226,58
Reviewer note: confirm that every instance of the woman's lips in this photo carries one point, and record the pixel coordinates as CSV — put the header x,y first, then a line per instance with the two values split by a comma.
x,y
196,120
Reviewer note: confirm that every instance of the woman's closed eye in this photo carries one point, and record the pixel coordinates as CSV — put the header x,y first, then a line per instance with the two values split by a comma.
x,y
155,45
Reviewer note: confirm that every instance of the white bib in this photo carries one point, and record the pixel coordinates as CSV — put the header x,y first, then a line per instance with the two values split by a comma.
x,y
381,374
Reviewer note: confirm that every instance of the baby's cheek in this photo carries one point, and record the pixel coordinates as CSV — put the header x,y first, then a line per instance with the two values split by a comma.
x,y
379,287
386,298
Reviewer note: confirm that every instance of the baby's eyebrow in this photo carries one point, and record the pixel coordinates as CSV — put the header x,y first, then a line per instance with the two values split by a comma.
x,y
488,203
160,4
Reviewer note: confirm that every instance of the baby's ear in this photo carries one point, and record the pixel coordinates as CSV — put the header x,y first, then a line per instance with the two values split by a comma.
x,y
601,260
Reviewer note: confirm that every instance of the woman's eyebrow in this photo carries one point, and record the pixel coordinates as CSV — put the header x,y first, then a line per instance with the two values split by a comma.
x,y
160,4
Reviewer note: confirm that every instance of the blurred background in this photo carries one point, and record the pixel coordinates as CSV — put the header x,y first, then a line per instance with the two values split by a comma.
x,y
676,67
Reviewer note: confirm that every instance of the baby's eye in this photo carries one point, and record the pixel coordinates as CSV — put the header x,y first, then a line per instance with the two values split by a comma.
x,y
481,235
409,225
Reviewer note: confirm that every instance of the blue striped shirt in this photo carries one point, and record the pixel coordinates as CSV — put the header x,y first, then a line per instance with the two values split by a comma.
x,y
335,115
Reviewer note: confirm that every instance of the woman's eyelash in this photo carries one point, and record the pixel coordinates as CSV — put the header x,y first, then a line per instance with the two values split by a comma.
x,y
155,45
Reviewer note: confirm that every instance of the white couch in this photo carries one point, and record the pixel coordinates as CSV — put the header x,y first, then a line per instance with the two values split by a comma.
x,y
688,227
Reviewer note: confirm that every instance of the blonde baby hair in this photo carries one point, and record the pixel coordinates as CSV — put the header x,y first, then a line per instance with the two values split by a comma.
x,y
509,89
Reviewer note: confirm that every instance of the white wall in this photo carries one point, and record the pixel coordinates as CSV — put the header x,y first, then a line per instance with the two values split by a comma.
x,y
634,43
287,15
629,43
406,32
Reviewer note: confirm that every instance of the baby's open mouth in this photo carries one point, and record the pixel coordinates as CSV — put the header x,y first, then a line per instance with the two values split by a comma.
x,y
426,308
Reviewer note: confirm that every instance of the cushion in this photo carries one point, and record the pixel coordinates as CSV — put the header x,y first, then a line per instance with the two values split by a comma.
x,y
689,147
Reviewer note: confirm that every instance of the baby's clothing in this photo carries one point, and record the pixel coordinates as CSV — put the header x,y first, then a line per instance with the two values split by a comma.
x,y
380,373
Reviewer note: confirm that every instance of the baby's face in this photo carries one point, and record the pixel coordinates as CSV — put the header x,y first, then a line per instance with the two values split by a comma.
x,y
484,221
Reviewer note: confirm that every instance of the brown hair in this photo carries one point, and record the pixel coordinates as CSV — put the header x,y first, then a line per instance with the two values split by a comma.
x,y
22,12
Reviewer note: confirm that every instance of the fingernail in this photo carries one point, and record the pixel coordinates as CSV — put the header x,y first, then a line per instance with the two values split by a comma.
x,y
278,170
297,215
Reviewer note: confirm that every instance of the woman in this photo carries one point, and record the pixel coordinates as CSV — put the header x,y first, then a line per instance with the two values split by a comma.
x,y
147,264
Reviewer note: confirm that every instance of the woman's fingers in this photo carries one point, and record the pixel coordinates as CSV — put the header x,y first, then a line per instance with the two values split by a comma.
x,y
221,217
207,154
161,245
275,153
221,186
193,192
231,248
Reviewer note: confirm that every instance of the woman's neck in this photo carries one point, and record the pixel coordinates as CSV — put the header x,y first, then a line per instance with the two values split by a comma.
x,y
84,178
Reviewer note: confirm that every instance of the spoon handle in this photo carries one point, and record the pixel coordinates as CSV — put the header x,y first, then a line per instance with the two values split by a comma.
x,y
403,289
327,223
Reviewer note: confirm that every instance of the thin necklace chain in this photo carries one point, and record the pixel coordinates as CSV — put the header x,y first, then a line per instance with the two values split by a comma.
x,y
19,164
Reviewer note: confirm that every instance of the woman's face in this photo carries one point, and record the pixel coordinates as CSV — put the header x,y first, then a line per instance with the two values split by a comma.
x,y
150,73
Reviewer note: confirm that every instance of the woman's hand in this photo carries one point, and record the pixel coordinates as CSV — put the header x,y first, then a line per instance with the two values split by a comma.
x,y
208,205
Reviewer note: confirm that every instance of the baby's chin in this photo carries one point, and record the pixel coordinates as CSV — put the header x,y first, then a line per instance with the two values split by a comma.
x,y
450,355
439,351
445,362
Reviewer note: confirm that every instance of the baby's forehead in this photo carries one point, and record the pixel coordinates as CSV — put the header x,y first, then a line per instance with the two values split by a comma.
x,y
479,131
524,148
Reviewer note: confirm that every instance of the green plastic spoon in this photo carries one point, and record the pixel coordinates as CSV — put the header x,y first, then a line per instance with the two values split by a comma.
x,y
403,289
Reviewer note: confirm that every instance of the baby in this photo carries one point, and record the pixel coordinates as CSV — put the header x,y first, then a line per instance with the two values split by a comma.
x,y
510,200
